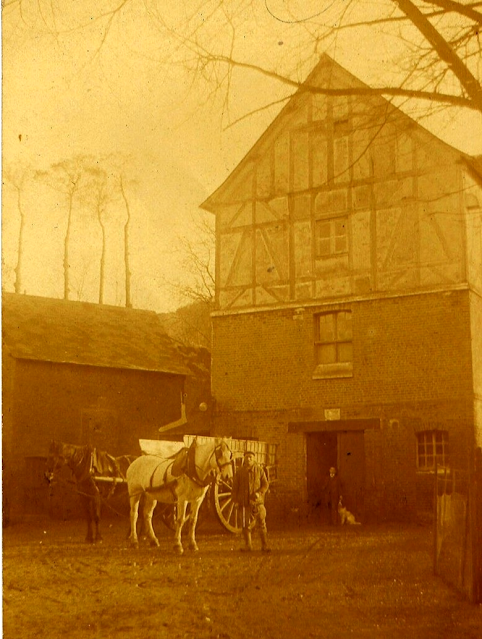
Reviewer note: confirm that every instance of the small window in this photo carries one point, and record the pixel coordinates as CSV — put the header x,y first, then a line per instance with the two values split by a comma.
x,y
331,237
333,339
432,449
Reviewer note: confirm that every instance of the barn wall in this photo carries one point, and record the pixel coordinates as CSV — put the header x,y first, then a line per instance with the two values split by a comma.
x,y
111,408
411,371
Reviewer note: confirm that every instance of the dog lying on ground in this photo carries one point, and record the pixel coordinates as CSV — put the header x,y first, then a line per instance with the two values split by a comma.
x,y
346,517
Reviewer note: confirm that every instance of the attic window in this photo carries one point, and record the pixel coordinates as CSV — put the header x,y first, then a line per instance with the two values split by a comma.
x,y
331,237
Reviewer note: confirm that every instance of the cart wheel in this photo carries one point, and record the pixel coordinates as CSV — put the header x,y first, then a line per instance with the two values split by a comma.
x,y
226,510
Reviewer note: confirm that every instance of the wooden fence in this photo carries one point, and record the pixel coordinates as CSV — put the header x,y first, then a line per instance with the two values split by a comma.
x,y
458,530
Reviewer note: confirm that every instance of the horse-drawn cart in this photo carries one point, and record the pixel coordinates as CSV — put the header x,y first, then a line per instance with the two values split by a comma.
x,y
220,493
175,475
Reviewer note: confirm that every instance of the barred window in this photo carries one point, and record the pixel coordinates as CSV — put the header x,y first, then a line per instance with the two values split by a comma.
x,y
432,449
333,339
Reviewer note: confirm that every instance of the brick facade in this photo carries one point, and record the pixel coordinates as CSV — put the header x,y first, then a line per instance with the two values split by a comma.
x,y
411,372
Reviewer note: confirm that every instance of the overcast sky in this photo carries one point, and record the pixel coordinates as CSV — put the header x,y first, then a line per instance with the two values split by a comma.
x,y
64,95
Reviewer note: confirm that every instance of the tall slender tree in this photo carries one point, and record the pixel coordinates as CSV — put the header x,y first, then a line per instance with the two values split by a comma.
x,y
16,176
66,177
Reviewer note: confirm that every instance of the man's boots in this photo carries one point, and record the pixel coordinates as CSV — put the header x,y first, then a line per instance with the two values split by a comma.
x,y
264,541
247,540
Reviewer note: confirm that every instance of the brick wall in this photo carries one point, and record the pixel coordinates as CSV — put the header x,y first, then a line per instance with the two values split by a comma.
x,y
412,370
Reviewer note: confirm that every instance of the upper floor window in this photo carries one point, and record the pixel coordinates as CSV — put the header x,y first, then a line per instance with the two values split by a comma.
x,y
331,237
333,339
432,449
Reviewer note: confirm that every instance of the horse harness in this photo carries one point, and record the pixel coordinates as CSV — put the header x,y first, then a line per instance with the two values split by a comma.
x,y
87,463
184,463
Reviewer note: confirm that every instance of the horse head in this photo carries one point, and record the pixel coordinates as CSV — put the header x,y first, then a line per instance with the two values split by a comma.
x,y
224,458
55,461
205,461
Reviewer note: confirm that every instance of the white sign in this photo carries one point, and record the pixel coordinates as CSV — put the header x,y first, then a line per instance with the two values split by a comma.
x,y
332,414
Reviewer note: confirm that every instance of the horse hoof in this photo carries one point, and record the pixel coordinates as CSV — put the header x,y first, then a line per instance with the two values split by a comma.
x,y
178,550
154,543
193,548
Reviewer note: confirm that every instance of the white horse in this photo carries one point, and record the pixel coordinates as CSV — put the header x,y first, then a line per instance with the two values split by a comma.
x,y
181,479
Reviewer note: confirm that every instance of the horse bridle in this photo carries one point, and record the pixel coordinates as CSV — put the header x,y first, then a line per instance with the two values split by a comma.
x,y
218,454
59,460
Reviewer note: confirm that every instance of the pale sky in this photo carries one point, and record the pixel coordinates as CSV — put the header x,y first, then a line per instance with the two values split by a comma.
x,y
64,95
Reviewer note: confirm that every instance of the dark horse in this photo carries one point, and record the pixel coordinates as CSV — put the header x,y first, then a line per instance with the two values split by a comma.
x,y
96,475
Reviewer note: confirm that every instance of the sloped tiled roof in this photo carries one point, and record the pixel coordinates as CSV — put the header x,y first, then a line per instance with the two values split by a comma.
x,y
54,330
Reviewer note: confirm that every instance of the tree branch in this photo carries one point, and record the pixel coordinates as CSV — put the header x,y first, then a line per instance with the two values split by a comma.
x,y
433,96
462,9
444,50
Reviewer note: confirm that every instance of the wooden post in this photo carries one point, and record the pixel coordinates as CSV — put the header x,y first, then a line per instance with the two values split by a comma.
x,y
435,510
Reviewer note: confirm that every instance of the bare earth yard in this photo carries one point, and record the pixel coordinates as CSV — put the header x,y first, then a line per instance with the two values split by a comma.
x,y
318,582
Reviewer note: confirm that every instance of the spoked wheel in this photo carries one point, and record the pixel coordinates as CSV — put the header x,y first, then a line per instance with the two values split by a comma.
x,y
226,510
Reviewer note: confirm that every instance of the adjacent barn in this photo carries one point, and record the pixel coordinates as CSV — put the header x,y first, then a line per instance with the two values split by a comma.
x,y
87,373
348,326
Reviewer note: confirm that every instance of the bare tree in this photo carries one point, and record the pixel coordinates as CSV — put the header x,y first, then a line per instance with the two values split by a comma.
x,y
197,260
122,184
100,193
65,177
195,287
16,176
439,64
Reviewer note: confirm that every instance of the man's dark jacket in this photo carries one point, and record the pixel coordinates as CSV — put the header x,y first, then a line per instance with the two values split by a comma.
x,y
247,482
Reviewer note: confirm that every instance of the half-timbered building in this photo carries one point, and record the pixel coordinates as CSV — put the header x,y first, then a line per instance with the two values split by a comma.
x,y
348,289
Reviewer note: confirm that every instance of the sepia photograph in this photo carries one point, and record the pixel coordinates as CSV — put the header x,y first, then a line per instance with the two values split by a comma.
x,y
241,319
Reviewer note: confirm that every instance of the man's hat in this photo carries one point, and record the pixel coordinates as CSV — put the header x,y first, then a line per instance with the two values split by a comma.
x,y
249,452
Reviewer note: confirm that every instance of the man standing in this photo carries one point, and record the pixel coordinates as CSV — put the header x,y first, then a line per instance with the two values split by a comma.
x,y
332,491
249,488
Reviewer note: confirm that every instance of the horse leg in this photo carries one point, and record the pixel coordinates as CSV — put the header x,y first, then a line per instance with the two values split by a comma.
x,y
180,520
87,503
149,506
134,510
195,506
96,507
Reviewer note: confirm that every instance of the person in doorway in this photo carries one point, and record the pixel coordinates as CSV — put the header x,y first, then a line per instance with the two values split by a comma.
x,y
249,488
332,490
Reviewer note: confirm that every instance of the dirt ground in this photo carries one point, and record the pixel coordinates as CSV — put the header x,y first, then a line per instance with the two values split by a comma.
x,y
318,582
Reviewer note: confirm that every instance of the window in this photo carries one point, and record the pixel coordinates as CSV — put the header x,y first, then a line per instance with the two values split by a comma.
x,y
331,237
333,340
432,448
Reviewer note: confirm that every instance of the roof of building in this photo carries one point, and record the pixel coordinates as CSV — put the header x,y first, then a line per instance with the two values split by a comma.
x,y
339,78
61,331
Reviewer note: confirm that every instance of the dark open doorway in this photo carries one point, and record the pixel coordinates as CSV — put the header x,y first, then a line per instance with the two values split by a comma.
x,y
321,453
345,450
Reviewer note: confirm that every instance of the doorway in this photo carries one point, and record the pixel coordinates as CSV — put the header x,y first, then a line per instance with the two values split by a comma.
x,y
321,453
345,450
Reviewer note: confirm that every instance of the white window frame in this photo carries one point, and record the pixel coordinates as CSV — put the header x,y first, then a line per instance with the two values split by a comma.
x,y
432,444
338,368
